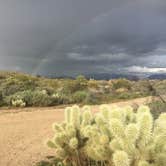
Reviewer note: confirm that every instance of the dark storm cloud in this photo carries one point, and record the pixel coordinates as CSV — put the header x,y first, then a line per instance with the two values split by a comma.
x,y
133,29
80,36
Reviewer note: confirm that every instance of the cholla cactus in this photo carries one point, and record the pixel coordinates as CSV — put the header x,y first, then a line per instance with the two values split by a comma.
x,y
120,158
44,92
18,103
112,137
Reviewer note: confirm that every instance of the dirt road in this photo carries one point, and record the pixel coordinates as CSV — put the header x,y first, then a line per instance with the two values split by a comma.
x,y
22,134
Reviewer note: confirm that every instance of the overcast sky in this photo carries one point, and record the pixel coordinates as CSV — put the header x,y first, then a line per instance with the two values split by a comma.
x,y
70,37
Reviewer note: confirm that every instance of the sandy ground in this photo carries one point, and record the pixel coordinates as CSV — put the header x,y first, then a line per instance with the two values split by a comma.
x,y
22,134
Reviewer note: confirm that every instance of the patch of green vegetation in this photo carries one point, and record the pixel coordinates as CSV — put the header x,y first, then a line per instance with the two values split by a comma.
x,y
157,107
121,83
18,89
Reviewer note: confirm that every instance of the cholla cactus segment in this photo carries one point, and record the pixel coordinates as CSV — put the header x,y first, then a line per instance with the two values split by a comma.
x,y
143,109
113,136
75,116
145,125
128,109
143,163
73,143
86,108
132,132
105,111
44,92
99,119
57,127
104,139
86,117
160,143
160,124
129,114
115,145
116,113
160,159
117,128
70,130
162,117
60,139
59,164
120,158
61,153
50,144
68,114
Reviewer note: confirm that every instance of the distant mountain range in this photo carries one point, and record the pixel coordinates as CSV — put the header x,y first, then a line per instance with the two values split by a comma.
x,y
101,76
107,76
158,76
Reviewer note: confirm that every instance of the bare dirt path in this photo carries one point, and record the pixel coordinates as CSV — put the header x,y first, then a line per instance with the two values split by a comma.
x,y
22,134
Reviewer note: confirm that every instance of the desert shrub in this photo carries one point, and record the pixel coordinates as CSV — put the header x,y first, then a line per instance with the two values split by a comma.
x,y
49,90
11,86
93,98
92,84
60,98
41,98
9,100
25,96
82,82
128,95
145,87
113,137
121,83
160,86
31,98
69,86
1,99
157,107
79,96
123,95
15,100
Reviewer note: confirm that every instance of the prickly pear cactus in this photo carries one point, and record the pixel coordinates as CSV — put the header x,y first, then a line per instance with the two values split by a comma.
x,y
112,137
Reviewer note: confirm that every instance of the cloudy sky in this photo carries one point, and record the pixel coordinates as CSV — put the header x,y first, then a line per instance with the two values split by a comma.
x,y
69,37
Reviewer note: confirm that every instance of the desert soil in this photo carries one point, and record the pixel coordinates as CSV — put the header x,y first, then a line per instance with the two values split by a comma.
x,y
23,132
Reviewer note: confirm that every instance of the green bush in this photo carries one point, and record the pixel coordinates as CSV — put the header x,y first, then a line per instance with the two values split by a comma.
x,y
93,98
93,84
82,82
41,98
123,95
113,137
71,86
121,83
60,98
157,107
31,98
11,86
1,99
79,96
127,95
15,100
